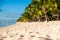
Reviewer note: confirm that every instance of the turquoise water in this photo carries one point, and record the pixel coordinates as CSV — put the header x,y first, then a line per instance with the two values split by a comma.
x,y
6,22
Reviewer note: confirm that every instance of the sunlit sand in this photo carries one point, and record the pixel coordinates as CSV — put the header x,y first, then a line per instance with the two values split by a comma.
x,y
31,31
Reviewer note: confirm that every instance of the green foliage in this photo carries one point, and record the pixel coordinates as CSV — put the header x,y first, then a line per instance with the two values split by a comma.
x,y
40,12
37,8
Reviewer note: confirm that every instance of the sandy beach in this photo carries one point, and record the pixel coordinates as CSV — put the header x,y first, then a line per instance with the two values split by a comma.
x,y
31,31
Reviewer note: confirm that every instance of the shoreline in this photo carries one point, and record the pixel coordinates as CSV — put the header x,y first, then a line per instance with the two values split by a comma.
x,y
18,24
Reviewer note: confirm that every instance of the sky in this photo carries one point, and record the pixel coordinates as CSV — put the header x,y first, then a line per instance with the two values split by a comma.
x,y
12,8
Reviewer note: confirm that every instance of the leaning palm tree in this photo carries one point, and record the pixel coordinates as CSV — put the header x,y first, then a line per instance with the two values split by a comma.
x,y
49,7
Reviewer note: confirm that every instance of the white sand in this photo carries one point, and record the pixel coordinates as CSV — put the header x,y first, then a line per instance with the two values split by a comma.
x,y
31,31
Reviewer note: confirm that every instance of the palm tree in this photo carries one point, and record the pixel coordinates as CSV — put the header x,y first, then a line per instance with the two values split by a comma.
x,y
49,6
37,7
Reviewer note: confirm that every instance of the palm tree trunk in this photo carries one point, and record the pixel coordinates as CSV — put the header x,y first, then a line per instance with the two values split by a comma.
x,y
56,10
57,16
45,12
38,18
46,17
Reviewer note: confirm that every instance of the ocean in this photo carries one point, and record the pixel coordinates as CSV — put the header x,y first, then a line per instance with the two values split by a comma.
x,y
7,22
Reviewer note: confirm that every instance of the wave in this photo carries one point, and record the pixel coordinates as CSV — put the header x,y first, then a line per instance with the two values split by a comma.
x,y
6,22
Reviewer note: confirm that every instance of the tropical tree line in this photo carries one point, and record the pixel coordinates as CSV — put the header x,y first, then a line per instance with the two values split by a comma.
x,y
41,10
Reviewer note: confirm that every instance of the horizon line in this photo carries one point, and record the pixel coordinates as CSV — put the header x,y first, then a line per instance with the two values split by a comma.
x,y
8,18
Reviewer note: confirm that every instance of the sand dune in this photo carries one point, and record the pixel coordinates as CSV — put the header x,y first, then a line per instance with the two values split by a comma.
x,y
31,31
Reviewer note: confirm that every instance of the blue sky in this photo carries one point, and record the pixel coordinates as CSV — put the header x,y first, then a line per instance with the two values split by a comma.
x,y
12,8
